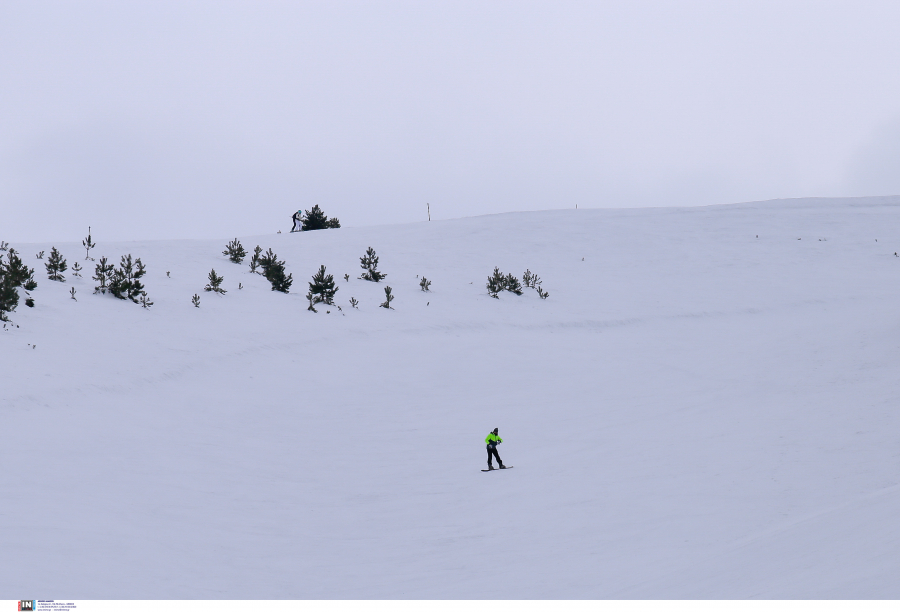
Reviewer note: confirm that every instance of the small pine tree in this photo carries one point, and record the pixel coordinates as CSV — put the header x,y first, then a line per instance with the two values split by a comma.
x,y
88,245
530,279
76,269
354,302
321,289
496,283
196,301
40,255
543,294
124,282
235,251
145,301
388,298
369,263
13,274
512,284
72,293
425,284
102,273
255,258
214,283
9,297
273,270
56,265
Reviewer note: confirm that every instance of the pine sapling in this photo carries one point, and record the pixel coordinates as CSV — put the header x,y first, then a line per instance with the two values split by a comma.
x,y
347,276
215,282
388,298
124,282
321,289
369,263
76,269
354,303
530,279
544,295
145,301
425,284
512,284
273,270
102,273
235,251
254,259
40,255
13,274
3,246
496,283
56,265
196,301
72,293
88,245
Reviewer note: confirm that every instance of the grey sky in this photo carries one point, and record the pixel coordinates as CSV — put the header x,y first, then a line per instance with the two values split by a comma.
x,y
190,119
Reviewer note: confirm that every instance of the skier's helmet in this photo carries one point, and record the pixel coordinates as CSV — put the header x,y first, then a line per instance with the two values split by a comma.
x,y
496,429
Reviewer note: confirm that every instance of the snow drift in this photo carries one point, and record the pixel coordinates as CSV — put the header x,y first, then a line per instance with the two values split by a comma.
x,y
706,406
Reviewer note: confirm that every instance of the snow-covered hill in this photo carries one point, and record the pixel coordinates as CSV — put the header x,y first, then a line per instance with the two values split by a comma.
x,y
706,406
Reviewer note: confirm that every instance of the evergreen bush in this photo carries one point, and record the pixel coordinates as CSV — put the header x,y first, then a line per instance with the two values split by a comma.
x,y
235,251
196,301
496,283
56,265
425,284
321,289
530,279
14,274
88,245
254,259
102,272
388,298
123,282
369,263
316,219
512,284
214,282
273,270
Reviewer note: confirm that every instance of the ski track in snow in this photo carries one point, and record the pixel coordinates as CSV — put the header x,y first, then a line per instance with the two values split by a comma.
x,y
694,412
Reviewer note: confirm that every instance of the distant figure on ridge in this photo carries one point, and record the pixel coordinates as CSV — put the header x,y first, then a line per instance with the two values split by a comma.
x,y
492,441
298,221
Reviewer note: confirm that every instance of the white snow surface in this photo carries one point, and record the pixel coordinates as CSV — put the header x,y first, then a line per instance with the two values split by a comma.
x,y
694,412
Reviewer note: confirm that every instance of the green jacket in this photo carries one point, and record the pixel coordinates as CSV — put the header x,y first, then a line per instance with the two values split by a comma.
x,y
492,439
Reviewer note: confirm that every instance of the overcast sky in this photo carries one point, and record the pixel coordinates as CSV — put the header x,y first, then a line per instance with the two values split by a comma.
x,y
193,119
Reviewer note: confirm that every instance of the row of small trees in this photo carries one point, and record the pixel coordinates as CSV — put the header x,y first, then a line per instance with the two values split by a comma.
x,y
498,282
321,289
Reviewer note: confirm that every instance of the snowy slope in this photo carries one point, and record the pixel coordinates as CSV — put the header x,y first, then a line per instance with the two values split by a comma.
x,y
694,412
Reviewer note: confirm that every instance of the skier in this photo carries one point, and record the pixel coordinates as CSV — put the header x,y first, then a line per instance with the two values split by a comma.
x,y
492,441
298,221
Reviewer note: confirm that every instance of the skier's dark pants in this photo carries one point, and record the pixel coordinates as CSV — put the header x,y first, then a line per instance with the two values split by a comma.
x,y
492,452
